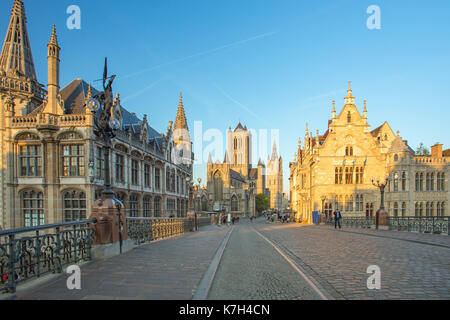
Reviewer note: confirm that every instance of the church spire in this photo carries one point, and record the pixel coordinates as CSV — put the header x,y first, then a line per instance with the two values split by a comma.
x,y
349,99
274,152
180,122
16,58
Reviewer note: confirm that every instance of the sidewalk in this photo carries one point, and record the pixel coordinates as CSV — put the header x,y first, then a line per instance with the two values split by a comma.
x,y
432,239
170,269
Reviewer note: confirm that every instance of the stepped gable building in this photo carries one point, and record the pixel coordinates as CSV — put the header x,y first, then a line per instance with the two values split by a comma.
x,y
51,164
336,169
232,185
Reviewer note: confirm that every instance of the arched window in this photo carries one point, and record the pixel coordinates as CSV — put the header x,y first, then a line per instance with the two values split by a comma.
x,y
404,181
234,204
396,181
404,209
29,155
32,208
157,206
349,117
349,175
218,187
133,206
146,206
204,204
74,205
417,211
396,158
72,154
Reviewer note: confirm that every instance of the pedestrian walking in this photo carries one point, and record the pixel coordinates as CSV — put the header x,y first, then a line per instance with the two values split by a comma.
x,y
337,219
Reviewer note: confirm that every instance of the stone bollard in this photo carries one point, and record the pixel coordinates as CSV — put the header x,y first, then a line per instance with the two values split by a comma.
x,y
107,228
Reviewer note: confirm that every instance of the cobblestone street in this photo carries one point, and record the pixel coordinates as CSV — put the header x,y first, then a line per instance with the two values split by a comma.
x,y
268,261
413,266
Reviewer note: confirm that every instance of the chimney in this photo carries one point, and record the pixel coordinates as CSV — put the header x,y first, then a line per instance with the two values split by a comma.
x,y
436,151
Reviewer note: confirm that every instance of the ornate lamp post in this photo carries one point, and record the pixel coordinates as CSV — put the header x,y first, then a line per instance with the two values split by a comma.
x,y
382,188
324,198
105,127
191,200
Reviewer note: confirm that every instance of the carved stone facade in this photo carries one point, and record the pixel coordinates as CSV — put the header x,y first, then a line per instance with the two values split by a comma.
x,y
335,170
51,164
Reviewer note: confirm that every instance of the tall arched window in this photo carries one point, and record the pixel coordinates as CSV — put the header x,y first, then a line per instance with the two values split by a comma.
x,y
72,154
349,117
404,209
29,155
146,206
32,208
396,209
404,181
218,187
133,206
157,206
204,204
234,204
74,205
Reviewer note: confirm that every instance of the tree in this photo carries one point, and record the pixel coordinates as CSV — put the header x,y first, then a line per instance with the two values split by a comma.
x,y
422,150
262,203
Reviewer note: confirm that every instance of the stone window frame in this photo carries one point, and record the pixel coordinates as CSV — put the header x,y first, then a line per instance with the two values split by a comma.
x,y
32,207
74,205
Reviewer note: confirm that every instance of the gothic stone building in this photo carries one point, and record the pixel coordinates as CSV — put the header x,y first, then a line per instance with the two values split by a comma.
x,y
336,169
232,185
51,163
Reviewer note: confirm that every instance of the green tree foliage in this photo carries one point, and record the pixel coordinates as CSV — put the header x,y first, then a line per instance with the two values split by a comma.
x,y
422,150
262,203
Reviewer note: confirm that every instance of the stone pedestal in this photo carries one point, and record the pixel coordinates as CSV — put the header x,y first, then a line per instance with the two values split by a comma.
x,y
383,222
107,227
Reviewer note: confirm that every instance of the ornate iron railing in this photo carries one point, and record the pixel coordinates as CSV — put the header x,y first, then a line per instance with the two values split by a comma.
x,y
435,225
29,253
144,230
353,222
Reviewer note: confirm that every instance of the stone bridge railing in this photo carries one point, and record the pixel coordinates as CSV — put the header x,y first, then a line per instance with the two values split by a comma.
x,y
33,252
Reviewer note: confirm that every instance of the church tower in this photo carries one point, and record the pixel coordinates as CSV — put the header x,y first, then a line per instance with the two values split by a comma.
x,y
239,149
275,179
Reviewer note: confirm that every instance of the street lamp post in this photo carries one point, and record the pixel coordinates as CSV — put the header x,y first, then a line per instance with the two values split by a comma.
x,y
382,188
191,200
324,198
105,127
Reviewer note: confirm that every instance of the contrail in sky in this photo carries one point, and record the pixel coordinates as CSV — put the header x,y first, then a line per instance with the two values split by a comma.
x,y
138,93
237,102
264,35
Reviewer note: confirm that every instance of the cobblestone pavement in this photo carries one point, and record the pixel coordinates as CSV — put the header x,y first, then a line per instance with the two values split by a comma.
x,y
166,270
251,269
413,266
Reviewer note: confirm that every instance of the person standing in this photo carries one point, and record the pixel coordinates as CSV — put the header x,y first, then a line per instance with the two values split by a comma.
x,y
337,219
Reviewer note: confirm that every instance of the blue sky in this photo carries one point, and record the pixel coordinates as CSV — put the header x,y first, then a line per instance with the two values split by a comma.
x,y
269,64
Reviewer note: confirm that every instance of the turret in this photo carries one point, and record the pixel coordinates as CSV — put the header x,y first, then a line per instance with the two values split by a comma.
x,y
53,105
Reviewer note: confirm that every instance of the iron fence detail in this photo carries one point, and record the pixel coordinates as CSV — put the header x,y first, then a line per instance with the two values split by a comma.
x,y
144,230
29,253
353,222
434,225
